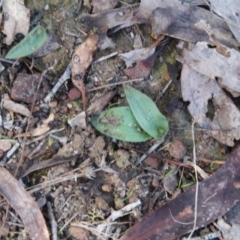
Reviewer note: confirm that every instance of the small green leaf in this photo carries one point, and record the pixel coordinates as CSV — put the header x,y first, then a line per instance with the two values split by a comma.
x,y
31,43
119,123
146,113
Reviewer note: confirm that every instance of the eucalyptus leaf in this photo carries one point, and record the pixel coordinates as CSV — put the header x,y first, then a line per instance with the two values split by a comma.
x,y
119,123
31,43
146,113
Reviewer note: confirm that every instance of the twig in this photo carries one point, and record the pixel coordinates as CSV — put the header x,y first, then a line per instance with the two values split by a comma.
x,y
44,136
197,184
206,160
68,222
79,6
164,90
8,61
37,149
63,78
106,57
117,214
115,84
10,152
52,222
156,145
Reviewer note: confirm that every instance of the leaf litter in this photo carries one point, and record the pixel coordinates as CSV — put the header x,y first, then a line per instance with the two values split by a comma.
x,y
102,173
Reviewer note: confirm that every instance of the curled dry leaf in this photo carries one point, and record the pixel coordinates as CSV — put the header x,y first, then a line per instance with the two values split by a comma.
x,y
16,107
217,194
16,19
201,91
81,59
24,205
221,63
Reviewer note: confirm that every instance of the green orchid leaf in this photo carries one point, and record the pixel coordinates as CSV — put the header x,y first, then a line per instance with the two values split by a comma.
x,y
119,123
146,113
31,43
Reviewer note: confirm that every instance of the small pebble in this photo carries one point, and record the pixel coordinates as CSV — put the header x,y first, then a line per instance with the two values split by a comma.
x,y
69,105
74,94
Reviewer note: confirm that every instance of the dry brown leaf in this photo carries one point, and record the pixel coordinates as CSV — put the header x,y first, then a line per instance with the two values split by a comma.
x,y
199,90
99,102
39,130
16,107
230,11
24,205
209,62
190,23
44,127
81,59
16,19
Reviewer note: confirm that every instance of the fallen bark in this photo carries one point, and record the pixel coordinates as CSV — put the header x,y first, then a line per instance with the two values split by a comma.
x,y
217,194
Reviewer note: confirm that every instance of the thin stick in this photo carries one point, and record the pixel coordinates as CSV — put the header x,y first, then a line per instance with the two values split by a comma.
x,y
63,78
52,221
206,160
68,222
106,57
156,145
115,84
197,184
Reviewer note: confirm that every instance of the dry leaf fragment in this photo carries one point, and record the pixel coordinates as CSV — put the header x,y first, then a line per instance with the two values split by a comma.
x,y
81,59
16,107
79,121
136,55
39,130
99,101
44,127
200,91
211,63
24,205
16,19
5,145
228,10
102,5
